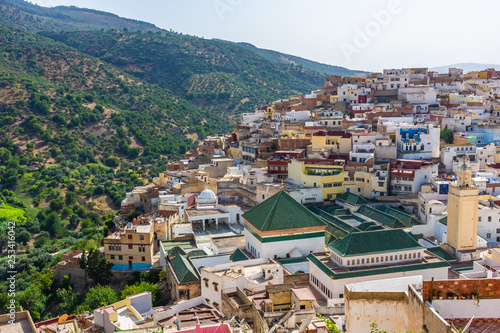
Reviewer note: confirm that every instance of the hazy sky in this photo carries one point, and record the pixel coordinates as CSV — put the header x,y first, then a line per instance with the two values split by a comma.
x,y
358,34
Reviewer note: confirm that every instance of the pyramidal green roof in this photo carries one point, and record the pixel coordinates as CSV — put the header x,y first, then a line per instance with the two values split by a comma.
x,y
281,212
404,217
381,217
183,269
334,220
440,252
176,250
371,242
352,198
238,255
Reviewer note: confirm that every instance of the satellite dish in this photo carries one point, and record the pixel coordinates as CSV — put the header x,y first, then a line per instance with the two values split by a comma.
x,y
62,319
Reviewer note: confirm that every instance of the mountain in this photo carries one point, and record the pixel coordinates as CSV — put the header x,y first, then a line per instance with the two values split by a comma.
x,y
282,58
63,107
26,16
214,75
467,67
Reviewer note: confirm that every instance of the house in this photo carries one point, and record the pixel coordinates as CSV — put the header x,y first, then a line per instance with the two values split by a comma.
x,y
418,142
408,175
182,276
132,247
281,227
324,173
245,274
17,322
126,314
372,255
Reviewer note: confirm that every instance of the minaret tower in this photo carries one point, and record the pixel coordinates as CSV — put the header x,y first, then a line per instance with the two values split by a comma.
x,y
463,200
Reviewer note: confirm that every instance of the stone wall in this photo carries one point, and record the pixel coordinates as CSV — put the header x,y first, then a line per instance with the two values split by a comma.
x,y
486,288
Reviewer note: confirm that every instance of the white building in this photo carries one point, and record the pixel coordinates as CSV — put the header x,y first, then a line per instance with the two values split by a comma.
x,y
457,122
208,212
418,94
372,255
418,141
407,176
246,274
280,227
451,154
395,79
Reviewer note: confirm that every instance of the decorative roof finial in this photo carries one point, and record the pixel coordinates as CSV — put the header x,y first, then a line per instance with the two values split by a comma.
x,y
282,186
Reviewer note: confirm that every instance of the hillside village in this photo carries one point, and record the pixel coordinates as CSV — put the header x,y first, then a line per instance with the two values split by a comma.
x,y
375,199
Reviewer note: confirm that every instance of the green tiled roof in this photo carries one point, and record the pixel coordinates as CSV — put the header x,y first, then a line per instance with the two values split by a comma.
x,y
381,217
238,255
281,212
334,220
331,208
370,242
184,244
440,252
444,220
366,226
404,217
374,271
342,211
285,261
183,269
197,253
352,217
352,198
175,251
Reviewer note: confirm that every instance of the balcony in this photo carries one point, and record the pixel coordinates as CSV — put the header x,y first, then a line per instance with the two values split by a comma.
x,y
322,172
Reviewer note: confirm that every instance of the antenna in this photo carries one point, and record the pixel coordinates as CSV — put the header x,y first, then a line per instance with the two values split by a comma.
x,y
466,328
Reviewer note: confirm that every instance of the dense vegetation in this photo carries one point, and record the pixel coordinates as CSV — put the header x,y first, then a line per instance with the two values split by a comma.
x,y
76,134
24,15
214,75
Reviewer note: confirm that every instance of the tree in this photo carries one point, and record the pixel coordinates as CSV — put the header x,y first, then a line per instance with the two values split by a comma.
x,y
139,288
100,296
56,204
97,267
70,197
447,135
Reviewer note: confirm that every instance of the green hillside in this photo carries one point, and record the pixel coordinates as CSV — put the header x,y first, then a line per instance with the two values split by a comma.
x,y
26,16
214,75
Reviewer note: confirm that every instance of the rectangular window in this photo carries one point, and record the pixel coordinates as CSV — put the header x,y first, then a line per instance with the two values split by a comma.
x,y
141,237
488,235
479,218
489,218
498,231
120,257
112,257
129,236
130,246
143,258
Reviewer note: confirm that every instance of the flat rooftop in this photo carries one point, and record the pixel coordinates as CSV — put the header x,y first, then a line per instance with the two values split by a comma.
x,y
229,241
19,326
428,259
195,212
